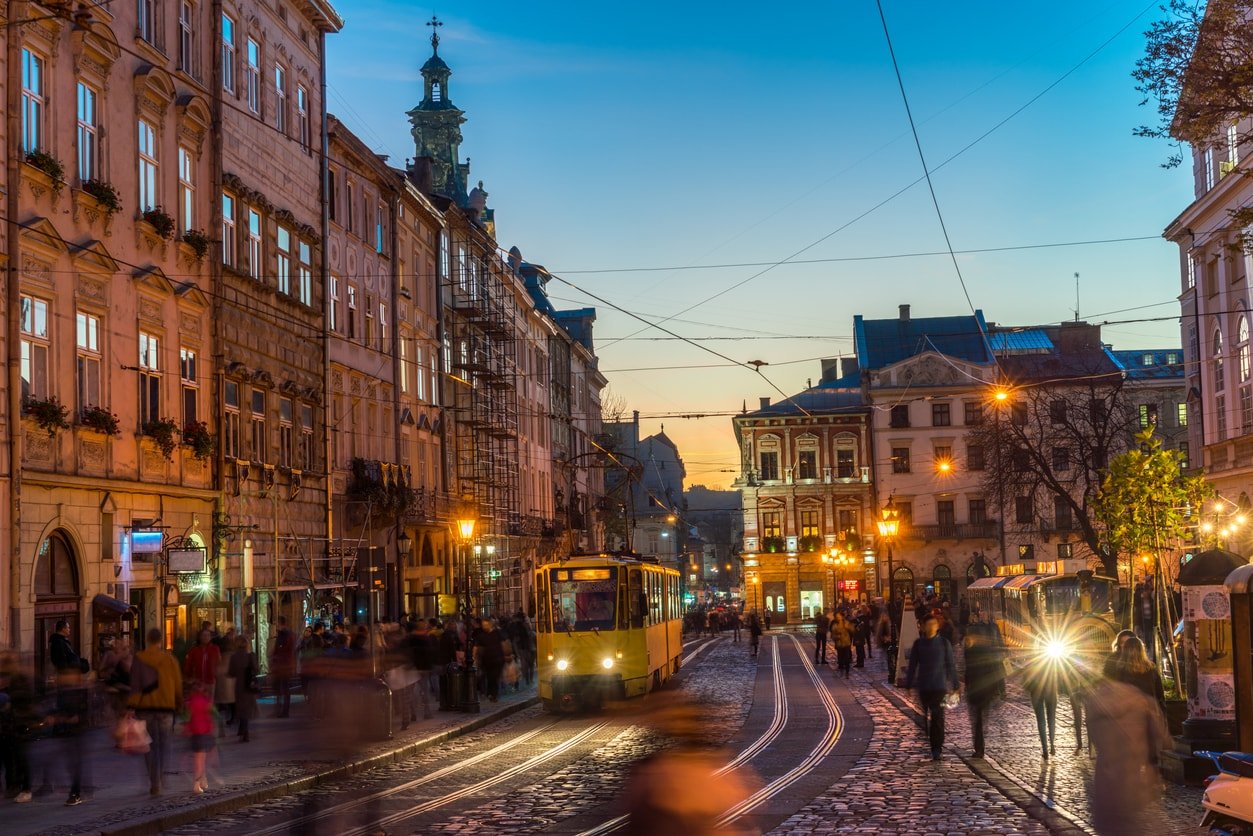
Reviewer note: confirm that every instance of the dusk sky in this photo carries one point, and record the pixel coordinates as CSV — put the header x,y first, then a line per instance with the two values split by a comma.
x,y
719,139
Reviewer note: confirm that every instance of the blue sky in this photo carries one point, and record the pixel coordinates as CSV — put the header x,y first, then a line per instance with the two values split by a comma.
x,y
691,134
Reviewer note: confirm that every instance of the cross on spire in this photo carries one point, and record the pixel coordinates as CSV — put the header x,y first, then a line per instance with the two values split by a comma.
x,y
434,23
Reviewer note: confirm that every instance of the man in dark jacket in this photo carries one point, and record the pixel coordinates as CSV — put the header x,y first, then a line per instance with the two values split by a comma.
x,y
61,653
822,626
490,643
933,671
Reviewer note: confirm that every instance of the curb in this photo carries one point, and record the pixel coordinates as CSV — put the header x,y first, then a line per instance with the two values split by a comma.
x,y
238,800
1028,802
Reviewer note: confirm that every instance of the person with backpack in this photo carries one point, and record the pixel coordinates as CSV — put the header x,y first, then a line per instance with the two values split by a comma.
x,y
156,696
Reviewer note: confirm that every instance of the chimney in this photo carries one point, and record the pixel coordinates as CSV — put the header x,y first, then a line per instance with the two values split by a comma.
x,y
765,403
830,369
904,313
848,366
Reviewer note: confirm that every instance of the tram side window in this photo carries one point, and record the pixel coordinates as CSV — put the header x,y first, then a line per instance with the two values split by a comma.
x,y
654,600
624,608
639,603
541,603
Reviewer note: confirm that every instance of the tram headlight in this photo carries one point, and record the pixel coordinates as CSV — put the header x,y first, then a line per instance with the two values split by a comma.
x,y
1056,649
606,663
619,654
562,664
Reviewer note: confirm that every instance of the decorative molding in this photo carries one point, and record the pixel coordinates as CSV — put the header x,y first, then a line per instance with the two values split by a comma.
x,y
91,289
188,323
150,309
35,269
92,455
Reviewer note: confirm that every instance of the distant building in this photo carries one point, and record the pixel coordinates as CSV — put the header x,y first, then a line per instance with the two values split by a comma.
x,y
805,481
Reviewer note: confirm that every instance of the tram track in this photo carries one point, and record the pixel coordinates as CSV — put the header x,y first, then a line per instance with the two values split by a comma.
x,y
477,787
824,747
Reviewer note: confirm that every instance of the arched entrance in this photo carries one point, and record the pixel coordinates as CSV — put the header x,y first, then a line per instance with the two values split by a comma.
x,y
57,596
902,583
942,582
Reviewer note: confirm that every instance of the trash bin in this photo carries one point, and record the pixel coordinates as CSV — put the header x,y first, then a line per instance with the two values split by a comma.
x,y
469,689
454,685
378,709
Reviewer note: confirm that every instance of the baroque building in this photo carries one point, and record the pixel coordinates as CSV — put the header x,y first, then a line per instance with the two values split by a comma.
x,y
805,483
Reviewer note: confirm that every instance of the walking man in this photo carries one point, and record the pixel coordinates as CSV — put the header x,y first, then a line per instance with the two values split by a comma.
x,y
933,671
822,625
283,667
156,695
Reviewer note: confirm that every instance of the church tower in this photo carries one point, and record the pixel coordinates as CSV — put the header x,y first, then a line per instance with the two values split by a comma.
x,y
437,126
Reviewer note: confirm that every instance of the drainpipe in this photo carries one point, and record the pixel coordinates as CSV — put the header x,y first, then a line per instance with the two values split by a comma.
x,y
328,447
396,598
13,334
216,283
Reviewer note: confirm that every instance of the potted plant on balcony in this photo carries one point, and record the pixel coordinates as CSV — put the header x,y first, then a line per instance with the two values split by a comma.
x,y
196,435
810,543
49,413
161,223
773,545
100,419
198,241
106,196
161,431
49,165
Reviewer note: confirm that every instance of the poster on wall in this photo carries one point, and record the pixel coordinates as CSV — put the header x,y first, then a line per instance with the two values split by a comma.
x,y
1215,698
1206,603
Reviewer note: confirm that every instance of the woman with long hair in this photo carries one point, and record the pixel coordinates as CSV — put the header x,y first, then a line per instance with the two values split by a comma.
x,y
1135,668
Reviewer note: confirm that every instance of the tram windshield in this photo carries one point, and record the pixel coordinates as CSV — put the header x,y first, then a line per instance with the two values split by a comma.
x,y
1063,595
584,599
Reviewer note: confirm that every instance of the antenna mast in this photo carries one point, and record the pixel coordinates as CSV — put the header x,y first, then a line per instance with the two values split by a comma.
x,y
1076,297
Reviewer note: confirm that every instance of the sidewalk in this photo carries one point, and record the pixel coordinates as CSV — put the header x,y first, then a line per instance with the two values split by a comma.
x,y
278,760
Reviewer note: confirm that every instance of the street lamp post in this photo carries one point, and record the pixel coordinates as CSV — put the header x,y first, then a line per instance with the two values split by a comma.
x,y
889,525
469,676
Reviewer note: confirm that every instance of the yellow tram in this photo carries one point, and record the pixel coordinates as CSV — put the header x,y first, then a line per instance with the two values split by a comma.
x,y
1060,613
607,627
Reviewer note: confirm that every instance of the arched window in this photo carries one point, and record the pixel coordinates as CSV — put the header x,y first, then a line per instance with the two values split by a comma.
x,y
56,576
1218,360
1242,347
902,583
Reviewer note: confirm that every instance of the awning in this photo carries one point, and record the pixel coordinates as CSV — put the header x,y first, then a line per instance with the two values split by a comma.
x,y
111,607
1021,581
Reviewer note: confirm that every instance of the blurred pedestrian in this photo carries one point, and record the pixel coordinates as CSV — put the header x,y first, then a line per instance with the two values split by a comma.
x,y
114,675
822,630
491,647
18,721
842,640
1040,680
1135,668
156,695
199,728
1128,730
735,627
242,668
861,636
933,671
1110,666
754,631
985,677
201,663
283,667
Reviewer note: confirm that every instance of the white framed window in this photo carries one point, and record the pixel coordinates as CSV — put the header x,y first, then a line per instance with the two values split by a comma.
x,y
87,133
435,378
87,339
443,255
230,419
228,229
187,39
252,76
1218,361
34,101
189,380
308,448
257,425
148,166
419,378
332,307
1242,350
304,273
1191,271
35,346
148,25
383,342
282,246
149,378
254,243
369,322
285,430
280,98
1233,146
1208,154
1220,416
228,53
186,189
304,119
402,351
349,205
352,312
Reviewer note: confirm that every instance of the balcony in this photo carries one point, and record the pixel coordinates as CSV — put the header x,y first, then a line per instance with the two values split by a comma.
x,y
952,531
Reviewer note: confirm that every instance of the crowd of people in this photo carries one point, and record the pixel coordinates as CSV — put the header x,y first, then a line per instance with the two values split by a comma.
x,y
150,698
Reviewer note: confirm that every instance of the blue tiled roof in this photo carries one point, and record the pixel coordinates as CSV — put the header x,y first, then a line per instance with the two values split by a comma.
x,y
819,399
1159,366
882,342
1027,341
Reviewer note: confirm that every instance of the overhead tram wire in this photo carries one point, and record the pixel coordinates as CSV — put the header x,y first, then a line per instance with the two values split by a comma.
x,y
950,159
